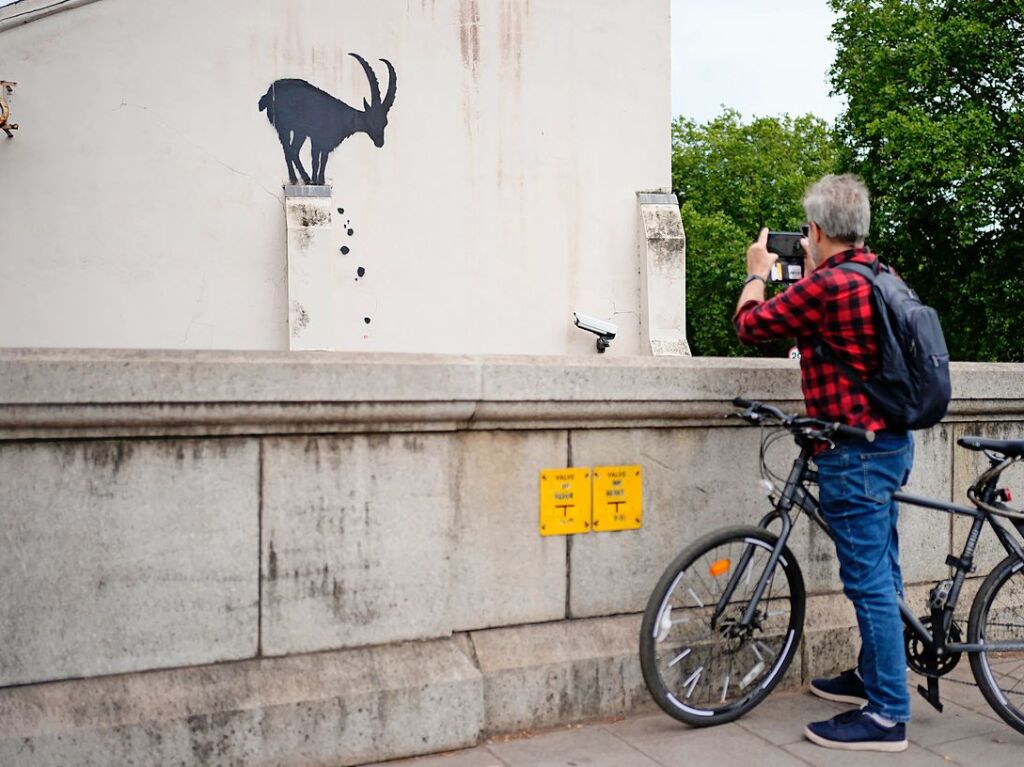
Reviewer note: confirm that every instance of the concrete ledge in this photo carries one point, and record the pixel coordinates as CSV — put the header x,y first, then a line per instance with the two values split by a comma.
x,y
341,708
554,673
53,393
27,11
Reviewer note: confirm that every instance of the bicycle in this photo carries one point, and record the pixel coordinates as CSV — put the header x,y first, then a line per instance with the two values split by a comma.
x,y
725,619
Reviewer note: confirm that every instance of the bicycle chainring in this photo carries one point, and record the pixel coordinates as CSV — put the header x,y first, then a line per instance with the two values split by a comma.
x,y
922,658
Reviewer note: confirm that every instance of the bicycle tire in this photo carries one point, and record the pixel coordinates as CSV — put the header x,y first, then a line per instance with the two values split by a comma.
x,y
672,683
991,670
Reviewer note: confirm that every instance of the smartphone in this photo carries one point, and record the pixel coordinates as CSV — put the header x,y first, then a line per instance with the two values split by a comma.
x,y
790,266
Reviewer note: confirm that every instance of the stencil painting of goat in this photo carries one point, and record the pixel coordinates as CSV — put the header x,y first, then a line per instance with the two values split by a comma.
x,y
299,110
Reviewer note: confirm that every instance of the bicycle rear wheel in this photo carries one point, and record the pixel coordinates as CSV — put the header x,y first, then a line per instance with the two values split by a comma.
x,y
700,665
997,615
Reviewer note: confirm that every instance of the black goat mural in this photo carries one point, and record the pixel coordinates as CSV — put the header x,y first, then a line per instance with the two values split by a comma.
x,y
299,110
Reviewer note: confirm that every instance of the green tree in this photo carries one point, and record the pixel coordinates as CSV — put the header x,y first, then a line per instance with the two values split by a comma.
x,y
934,124
733,178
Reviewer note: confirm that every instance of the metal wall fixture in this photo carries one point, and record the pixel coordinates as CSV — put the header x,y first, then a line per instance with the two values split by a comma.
x,y
6,89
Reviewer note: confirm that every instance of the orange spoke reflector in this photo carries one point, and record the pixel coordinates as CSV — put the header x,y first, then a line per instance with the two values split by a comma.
x,y
720,567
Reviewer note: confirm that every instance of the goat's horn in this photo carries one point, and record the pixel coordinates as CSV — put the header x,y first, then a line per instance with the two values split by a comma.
x,y
389,97
374,85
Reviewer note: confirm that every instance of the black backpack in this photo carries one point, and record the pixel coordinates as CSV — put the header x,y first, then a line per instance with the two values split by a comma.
x,y
912,387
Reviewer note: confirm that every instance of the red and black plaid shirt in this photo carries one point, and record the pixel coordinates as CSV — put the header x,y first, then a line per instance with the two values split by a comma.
x,y
834,305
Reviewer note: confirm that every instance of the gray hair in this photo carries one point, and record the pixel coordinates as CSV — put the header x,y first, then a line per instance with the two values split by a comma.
x,y
840,206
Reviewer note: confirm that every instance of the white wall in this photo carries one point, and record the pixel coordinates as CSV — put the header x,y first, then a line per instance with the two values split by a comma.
x,y
142,203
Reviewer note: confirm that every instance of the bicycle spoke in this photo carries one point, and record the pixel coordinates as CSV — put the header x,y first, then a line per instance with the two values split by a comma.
x,y
714,664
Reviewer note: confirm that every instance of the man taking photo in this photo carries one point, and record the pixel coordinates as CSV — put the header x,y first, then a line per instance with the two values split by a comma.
x,y
830,313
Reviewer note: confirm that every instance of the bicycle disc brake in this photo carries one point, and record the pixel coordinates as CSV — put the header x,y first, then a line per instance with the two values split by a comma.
x,y
922,658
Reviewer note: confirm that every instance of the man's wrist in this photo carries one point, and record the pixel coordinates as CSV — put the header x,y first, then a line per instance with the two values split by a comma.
x,y
752,277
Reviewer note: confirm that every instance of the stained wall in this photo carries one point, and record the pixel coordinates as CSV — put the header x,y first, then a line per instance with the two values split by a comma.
x,y
143,203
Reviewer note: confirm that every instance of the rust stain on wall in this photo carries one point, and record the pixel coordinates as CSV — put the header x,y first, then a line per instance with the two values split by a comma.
x,y
512,25
469,35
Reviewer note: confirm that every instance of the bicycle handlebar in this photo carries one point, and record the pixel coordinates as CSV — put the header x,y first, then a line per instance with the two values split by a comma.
x,y
825,429
852,431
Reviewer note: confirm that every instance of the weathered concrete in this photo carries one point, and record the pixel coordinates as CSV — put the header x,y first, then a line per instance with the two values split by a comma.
x,y
357,535
314,312
689,489
538,676
49,394
326,709
967,467
126,556
373,499
502,572
662,245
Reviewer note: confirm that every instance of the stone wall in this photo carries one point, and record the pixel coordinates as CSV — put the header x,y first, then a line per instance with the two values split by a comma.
x,y
347,547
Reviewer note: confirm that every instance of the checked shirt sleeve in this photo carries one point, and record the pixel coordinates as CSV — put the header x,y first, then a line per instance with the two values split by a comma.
x,y
796,312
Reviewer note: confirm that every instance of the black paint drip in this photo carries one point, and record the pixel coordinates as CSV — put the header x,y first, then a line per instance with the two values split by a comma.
x,y
366,320
344,250
341,211
360,271
351,232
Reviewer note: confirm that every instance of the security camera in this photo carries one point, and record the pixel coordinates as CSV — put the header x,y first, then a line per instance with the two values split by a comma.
x,y
605,331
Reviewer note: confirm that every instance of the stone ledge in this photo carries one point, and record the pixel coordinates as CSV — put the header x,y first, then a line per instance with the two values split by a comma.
x,y
339,708
554,673
58,394
27,11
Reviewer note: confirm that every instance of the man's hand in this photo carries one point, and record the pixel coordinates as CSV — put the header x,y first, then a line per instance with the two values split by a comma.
x,y
759,260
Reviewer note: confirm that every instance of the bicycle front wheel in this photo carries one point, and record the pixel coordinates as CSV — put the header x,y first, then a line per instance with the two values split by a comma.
x,y
997,615
702,665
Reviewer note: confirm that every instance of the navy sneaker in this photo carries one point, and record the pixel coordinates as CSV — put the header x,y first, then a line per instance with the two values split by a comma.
x,y
845,688
857,731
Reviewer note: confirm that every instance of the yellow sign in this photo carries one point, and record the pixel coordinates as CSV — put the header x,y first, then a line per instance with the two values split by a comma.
x,y
618,492
564,501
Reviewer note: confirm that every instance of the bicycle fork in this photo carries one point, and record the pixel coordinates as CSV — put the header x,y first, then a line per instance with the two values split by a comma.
x,y
781,511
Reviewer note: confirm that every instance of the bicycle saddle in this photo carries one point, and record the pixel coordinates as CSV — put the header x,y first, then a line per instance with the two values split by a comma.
x,y
1011,448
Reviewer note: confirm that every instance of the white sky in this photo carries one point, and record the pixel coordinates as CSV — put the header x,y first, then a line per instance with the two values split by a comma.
x,y
762,57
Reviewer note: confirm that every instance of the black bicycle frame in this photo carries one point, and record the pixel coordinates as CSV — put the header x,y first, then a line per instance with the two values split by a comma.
x,y
795,494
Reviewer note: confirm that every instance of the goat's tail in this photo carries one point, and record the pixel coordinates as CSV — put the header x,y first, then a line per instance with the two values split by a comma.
x,y
267,103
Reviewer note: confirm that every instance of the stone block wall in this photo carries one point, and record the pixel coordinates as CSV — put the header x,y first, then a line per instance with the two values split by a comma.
x,y
204,553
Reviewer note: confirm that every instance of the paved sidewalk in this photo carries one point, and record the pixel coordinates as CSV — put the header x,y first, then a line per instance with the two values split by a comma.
x,y
968,733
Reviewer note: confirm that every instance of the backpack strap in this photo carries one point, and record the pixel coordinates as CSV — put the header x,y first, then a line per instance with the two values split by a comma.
x,y
868,272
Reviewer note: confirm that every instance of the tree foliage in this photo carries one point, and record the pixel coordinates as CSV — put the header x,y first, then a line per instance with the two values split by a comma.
x,y
934,125
733,178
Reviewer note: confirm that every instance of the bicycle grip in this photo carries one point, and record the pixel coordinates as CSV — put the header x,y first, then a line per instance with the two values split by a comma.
x,y
842,430
740,402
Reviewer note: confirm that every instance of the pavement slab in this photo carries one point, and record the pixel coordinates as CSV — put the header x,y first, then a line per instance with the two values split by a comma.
x,y
720,745
782,724
590,746
473,757
914,756
931,728
998,749
769,736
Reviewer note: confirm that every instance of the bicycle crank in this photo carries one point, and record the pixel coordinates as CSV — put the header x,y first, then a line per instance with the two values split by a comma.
x,y
922,658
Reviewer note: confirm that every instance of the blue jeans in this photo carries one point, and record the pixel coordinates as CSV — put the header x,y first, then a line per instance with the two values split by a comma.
x,y
856,482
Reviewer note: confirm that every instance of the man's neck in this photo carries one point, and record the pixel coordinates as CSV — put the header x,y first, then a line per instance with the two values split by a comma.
x,y
829,247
